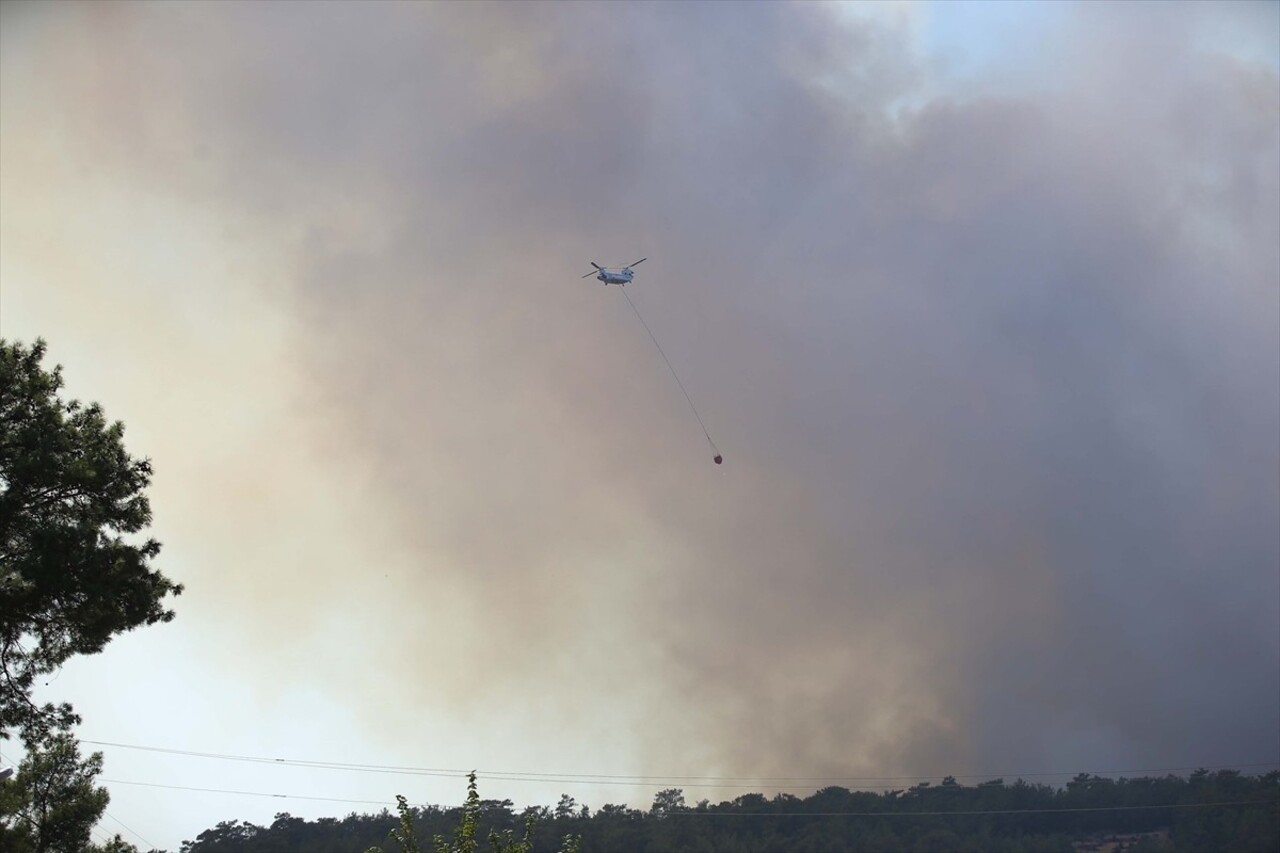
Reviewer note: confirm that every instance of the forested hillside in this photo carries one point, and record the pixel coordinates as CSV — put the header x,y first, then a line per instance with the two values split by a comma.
x,y
1207,811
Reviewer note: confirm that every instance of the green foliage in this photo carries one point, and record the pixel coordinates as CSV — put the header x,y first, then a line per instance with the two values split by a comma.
x,y
115,845
667,802
991,817
402,834
467,831
52,803
72,575
465,838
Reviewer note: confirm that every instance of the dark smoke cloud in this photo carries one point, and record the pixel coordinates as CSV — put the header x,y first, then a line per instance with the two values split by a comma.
x,y
996,378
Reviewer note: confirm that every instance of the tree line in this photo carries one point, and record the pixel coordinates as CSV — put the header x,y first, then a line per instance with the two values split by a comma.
x,y
1167,813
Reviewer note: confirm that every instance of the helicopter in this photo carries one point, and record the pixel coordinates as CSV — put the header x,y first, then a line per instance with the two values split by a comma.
x,y
622,276
614,276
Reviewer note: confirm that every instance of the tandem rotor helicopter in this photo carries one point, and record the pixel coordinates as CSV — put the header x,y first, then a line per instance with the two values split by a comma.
x,y
622,276
614,276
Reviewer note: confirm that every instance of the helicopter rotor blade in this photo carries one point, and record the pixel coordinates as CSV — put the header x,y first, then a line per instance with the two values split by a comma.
x,y
588,275
637,263
597,266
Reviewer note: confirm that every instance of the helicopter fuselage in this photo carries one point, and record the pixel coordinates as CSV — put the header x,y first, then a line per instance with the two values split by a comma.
x,y
622,276
615,275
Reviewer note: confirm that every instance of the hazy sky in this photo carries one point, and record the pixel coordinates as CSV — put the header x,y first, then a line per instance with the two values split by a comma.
x,y
980,303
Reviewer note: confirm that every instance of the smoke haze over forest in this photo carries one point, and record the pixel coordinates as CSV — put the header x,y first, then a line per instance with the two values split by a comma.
x,y
995,369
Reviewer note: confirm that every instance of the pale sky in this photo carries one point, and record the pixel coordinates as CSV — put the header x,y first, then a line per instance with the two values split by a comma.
x,y
981,303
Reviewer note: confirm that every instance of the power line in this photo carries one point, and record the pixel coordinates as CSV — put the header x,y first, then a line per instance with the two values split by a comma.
x,y
295,762
709,813
134,832
245,793
638,779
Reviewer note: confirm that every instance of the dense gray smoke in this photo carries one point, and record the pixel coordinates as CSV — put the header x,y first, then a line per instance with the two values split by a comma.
x,y
996,379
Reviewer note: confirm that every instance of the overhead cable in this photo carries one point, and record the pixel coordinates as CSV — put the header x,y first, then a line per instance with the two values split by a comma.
x,y
640,779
